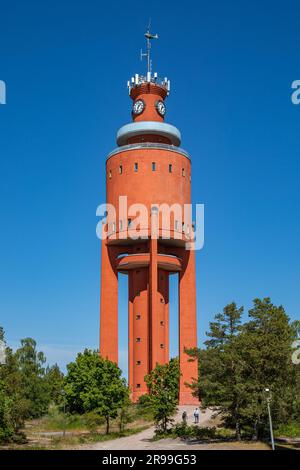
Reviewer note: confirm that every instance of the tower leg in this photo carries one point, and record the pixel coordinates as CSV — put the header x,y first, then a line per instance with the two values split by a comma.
x,y
109,305
138,346
154,320
187,328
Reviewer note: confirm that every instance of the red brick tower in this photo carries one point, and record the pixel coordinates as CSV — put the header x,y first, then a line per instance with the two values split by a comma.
x,y
149,168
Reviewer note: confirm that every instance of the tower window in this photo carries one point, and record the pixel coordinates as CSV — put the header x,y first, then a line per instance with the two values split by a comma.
x,y
121,224
153,166
109,174
162,346
183,172
138,363
129,222
162,300
170,168
136,167
138,340
138,317
162,323
138,385
120,169
176,224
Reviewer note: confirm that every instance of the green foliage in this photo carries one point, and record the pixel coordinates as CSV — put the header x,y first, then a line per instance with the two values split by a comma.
x,y
181,430
163,387
144,407
291,430
125,414
33,385
54,382
6,424
93,421
241,360
26,389
95,384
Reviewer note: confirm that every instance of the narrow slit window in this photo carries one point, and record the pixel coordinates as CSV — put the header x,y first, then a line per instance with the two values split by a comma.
x,y
162,323
138,385
138,363
136,167
162,346
138,340
109,174
153,166
170,168
138,316
121,224
183,172
129,222
120,169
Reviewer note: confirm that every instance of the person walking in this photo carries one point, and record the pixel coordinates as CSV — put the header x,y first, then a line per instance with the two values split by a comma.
x,y
196,416
184,418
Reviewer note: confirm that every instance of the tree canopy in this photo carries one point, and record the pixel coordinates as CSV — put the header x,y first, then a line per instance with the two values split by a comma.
x,y
95,384
241,360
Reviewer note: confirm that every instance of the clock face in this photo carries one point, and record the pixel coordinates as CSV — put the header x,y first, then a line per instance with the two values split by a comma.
x,y
161,107
138,107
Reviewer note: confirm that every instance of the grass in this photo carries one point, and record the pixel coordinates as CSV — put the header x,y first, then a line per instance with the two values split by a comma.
x,y
80,429
291,430
75,440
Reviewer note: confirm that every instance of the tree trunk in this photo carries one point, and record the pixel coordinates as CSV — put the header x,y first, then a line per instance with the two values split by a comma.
x,y
107,425
237,424
255,432
237,431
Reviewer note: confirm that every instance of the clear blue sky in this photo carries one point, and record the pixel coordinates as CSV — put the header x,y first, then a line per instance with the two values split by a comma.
x,y
66,64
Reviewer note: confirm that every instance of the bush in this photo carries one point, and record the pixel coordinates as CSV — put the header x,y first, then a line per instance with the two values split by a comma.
x,y
288,430
92,421
185,431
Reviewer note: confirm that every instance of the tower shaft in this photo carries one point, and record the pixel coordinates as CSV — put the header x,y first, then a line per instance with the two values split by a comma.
x,y
152,174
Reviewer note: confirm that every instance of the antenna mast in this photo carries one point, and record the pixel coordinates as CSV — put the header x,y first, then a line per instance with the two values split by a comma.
x,y
147,54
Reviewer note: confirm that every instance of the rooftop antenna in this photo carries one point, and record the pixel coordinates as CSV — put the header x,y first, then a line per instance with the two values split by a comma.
x,y
149,36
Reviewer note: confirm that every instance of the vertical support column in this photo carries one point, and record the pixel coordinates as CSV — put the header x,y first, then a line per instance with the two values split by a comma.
x,y
163,315
140,328
130,333
167,341
187,327
109,305
154,321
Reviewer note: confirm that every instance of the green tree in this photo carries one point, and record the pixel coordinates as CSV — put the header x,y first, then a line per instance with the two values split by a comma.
x,y
13,405
240,361
266,350
163,385
34,387
54,382
220,381
95,384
